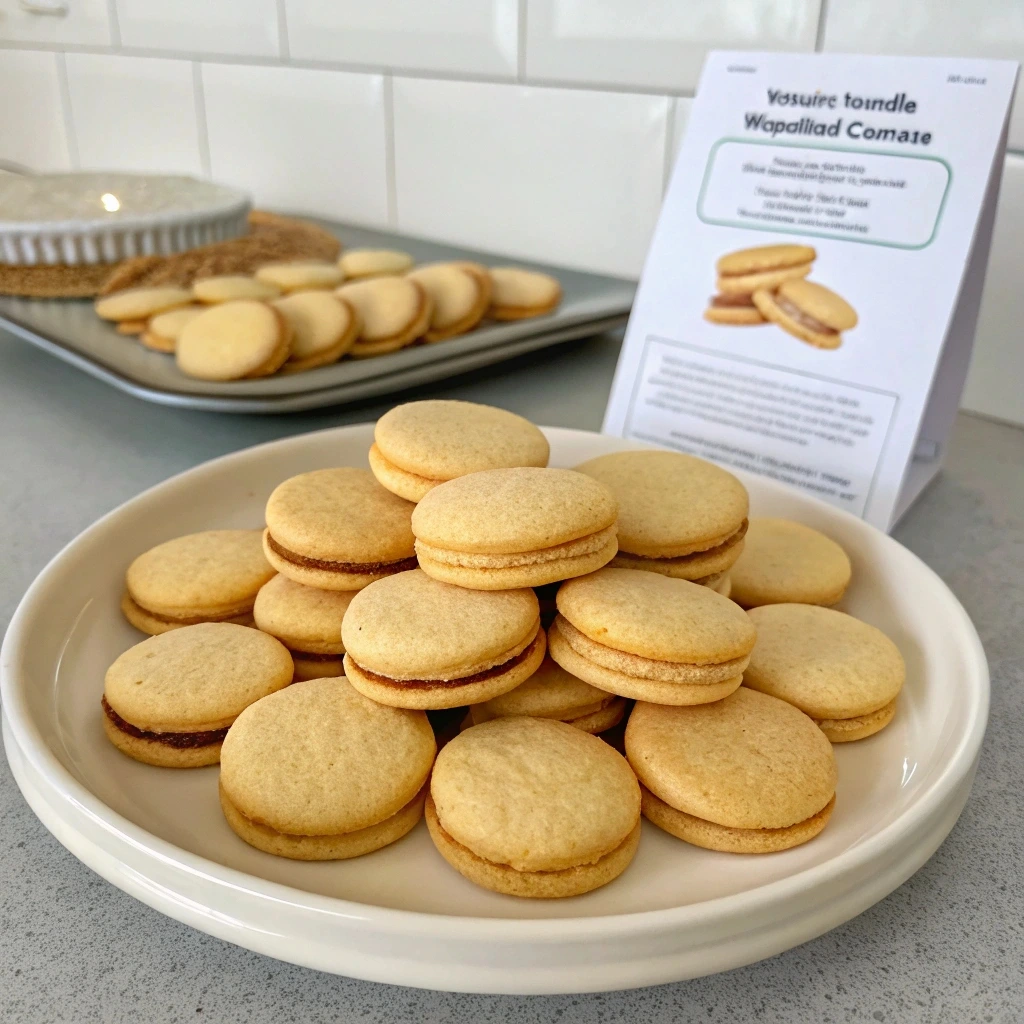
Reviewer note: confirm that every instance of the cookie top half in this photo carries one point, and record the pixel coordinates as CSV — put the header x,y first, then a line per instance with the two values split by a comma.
x,y
442,439
507,511
302,618
670,504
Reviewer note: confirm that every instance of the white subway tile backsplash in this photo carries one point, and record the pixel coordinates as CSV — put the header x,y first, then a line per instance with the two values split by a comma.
x,y
133,113
997,367
655,43
958,28
85,22
201,26
470,36
300,140
32,129
560,175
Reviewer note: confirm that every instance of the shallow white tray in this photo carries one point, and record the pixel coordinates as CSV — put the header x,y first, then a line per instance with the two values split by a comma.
x,y
402,915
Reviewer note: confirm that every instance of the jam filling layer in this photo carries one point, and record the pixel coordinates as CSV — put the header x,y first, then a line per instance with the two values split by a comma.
x,y
355,568
315,656
178,740
477,677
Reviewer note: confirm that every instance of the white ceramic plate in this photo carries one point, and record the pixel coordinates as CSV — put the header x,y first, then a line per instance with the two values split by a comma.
x,y
402,915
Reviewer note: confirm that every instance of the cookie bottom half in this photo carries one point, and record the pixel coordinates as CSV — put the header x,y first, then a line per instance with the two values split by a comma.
x,y
846,730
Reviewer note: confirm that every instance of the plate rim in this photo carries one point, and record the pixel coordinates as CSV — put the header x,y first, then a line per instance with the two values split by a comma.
x,y
33,747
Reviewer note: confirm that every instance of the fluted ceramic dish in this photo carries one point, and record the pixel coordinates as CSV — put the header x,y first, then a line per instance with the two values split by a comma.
x,y
402,915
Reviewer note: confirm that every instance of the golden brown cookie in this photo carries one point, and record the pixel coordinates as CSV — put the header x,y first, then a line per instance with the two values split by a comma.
x,y
323,326
234,340
518,294
809,311
393,313
459,300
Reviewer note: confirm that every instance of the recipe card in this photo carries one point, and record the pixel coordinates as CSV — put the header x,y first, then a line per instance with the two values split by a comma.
x,y
809,300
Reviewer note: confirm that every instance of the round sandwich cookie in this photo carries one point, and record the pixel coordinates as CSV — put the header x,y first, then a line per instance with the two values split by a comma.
x,y
318,772
482,275
506,528
136,305
300,275
736,310
323,328
393,312
747,774
809,311
363,263
418,445
841,672
784,562
307,621
534,808
414,642
230,287
169,700
161,331
337,529
518,294
234,341
212,576
459,300
551,692
651,637
764,267
678,515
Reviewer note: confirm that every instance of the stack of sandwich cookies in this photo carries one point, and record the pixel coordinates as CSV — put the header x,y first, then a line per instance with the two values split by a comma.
x,y
809,311
785,562
650,637
162,330
393,313
323,328
307,621
551,692
419,445
533,808
742,273
518,294
843,673
414,642
212,576
232,287
506,528
169,700
458,298
359,264
300,275
747,774
678,515
234,340
318,772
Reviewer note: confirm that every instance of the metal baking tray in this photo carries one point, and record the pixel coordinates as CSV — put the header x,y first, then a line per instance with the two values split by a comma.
x,y
70,330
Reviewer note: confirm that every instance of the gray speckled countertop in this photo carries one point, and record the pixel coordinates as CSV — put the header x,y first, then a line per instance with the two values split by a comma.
x,y
947,946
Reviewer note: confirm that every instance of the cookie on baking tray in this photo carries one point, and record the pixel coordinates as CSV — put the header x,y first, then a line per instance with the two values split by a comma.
x,y
136,305
363,263
161,331
458,296
229,287
323,328
234,340
393,313
300,275
519,294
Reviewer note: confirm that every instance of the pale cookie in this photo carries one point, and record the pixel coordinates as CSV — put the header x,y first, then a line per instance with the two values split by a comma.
x,y
300,275
518,294
229,287
414,642
139,304
162,331
393,313
212,576
785,562
459,301
524,527
533,808
337,529
131,327
809,311
746,774
650,637
318,772
169,700
323,328
419,445
836,669
234,341
361,263
678,515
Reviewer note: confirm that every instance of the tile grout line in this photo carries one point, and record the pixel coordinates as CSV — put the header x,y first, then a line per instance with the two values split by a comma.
x,y
389,150
115,23
282,31
819,36
64,86
202,129
521,43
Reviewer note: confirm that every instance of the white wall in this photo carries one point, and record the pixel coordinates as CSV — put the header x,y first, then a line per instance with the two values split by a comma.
x,y
540,127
